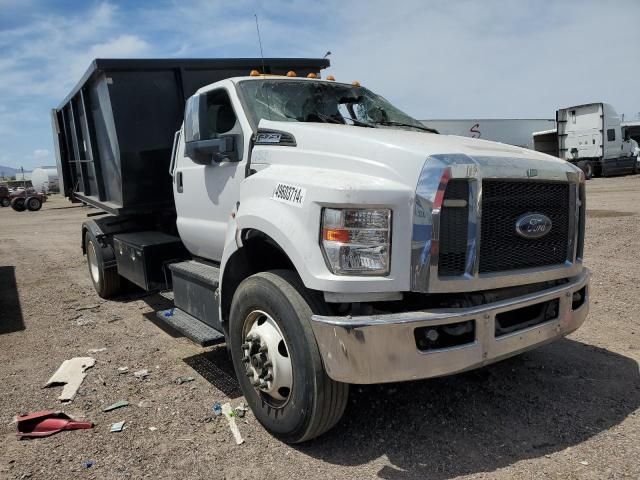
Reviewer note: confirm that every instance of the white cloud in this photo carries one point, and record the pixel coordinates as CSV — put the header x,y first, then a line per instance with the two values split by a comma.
x,y
41,153
48,55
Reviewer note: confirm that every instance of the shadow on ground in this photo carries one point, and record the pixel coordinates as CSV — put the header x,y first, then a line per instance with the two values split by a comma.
x,y
529,406
213,365
216,367
10,311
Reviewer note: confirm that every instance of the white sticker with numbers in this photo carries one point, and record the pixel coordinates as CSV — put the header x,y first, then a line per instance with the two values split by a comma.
x,y
289,194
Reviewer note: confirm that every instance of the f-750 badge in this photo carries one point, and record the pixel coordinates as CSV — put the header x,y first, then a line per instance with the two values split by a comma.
x,y
268,137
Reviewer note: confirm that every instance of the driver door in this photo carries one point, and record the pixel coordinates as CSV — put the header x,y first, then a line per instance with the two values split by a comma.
x,y
206,195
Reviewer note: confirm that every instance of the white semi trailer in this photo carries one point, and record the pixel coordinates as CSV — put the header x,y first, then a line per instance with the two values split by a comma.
x,y
329,238
592,137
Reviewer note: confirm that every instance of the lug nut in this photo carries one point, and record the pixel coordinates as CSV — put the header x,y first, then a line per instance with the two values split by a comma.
x,y
263,349
268,364
246,346
246,359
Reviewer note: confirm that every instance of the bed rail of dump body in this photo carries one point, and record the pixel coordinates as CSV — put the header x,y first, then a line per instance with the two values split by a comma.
x,y
113,133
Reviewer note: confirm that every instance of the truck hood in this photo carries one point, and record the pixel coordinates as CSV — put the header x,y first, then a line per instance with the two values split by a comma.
x,y
399,155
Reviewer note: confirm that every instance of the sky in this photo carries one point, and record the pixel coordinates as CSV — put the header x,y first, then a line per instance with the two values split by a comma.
x,y
433,59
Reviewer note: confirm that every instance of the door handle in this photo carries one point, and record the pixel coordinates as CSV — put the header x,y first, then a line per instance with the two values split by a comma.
x,y
179,186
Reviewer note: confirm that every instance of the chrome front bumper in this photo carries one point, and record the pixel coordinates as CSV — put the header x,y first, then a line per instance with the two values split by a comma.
x,y
382,348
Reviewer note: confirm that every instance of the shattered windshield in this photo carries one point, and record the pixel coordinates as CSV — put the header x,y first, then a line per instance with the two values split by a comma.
x,y
311,101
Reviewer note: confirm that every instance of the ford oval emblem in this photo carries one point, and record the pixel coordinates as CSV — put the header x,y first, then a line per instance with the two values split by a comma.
x,y
533,225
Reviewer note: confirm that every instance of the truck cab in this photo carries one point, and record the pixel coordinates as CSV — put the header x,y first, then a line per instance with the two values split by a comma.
x,y
331,239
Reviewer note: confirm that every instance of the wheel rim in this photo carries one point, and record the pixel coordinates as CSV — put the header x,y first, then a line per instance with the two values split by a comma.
x,y
33,203
93,263
265,355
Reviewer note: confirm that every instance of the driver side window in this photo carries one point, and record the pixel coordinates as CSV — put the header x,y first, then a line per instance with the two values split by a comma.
x,y
220,115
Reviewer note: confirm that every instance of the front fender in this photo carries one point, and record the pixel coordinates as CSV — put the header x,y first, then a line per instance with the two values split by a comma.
x,y
296,228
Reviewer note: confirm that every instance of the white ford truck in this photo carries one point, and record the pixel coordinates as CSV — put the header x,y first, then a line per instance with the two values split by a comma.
x,y
329,238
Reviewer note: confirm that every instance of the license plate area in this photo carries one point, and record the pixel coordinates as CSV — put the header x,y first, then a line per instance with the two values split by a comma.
x,y
526,317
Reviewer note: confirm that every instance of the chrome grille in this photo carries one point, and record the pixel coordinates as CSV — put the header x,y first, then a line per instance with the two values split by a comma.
x,y
503,202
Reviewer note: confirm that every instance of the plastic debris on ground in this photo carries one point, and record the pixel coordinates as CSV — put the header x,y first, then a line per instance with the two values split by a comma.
x,y
113,406
141,374
240,410
88,463
71,374
47,422
153,429
97,350
217,408
123,369
228,413
181,380
117,427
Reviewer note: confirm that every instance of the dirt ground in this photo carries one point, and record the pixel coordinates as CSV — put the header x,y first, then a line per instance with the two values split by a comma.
x,y
567,410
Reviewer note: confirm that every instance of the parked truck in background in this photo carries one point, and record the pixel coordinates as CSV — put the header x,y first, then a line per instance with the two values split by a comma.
x,y
328,237
592,137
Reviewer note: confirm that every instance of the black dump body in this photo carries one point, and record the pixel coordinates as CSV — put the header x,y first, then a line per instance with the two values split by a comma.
x,y
114,132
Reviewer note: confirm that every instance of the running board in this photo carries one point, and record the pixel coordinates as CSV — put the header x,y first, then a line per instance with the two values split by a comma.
x,y
190,327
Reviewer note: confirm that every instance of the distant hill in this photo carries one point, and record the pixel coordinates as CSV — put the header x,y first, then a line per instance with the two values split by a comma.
x,y
9,171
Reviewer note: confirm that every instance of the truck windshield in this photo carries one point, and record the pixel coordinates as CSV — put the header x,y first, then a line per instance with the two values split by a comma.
x,y
312,101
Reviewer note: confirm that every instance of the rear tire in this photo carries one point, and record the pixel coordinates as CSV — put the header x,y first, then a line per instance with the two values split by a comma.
x,y
314,403
34,204
18,204
106,281
5,202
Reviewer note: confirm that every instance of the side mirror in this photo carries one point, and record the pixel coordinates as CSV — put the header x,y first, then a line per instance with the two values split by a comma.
x,y
203,152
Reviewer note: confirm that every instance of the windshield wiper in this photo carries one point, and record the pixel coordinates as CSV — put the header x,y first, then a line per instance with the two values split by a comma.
x,y
401,124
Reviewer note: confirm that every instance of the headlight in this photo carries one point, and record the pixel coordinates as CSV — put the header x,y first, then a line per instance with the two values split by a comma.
x,y
356,241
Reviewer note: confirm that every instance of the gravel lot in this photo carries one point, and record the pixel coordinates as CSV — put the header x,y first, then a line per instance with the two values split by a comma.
x,y
567,410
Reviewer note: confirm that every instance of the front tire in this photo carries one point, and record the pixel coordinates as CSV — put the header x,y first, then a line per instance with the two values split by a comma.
x,y
276,357
5,202
106,281
587,168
